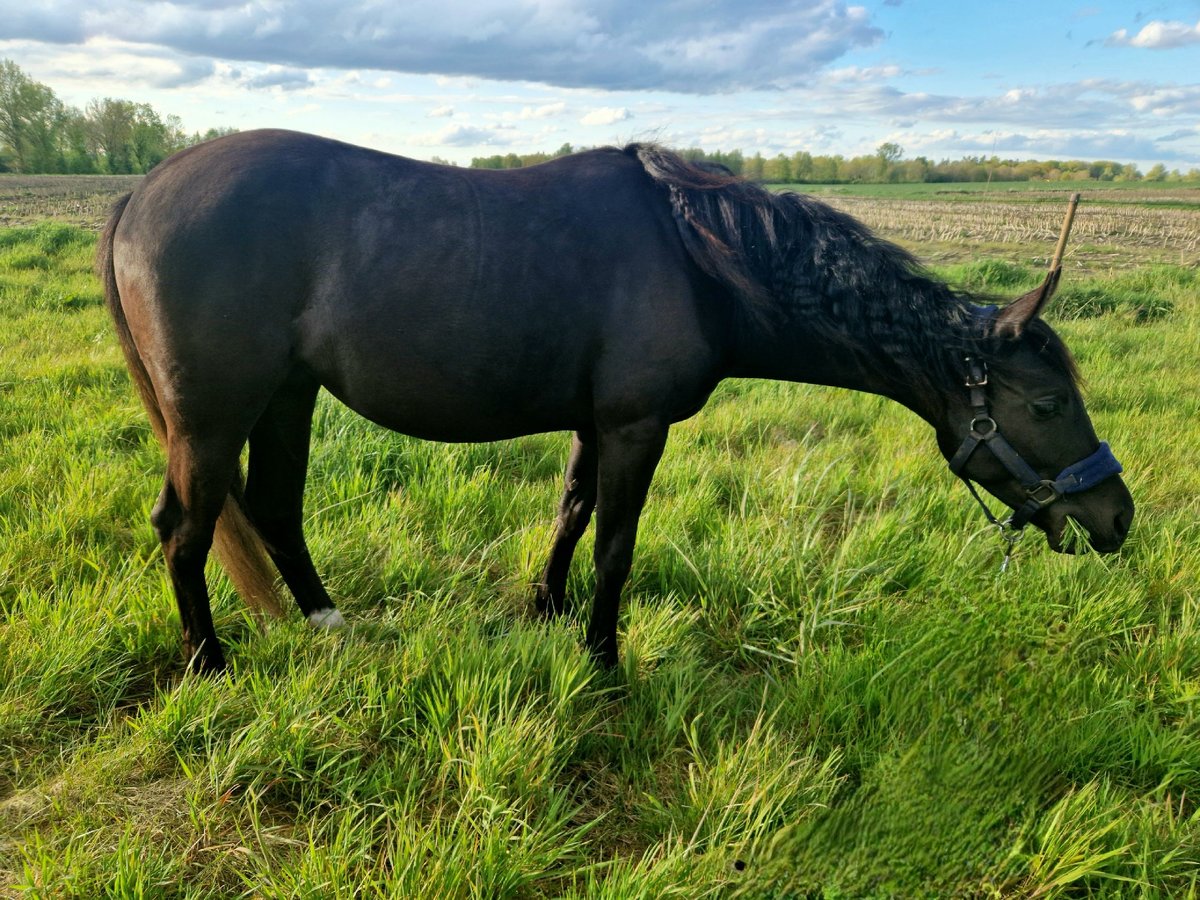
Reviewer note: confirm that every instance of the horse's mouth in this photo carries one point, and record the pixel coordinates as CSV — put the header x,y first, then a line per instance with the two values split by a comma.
x,y
1069,544
1072,538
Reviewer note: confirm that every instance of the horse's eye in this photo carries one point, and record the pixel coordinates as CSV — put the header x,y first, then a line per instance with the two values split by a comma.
x,y
1044,408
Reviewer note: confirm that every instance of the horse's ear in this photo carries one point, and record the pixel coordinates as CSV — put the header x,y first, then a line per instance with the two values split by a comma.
x,y
1011,321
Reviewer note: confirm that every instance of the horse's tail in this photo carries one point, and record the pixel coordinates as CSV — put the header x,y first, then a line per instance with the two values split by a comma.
x,y
236,541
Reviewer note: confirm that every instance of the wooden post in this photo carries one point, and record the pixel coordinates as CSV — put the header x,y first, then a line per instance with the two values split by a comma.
x,y
1066,231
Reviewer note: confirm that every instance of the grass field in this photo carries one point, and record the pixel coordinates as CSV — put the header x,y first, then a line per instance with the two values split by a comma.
x,y
825,690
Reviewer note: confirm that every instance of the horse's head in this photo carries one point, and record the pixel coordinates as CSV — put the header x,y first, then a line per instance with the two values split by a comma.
x,y
1019,428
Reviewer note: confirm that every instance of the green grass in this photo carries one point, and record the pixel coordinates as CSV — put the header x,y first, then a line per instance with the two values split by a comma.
x,y
1145,293
825,689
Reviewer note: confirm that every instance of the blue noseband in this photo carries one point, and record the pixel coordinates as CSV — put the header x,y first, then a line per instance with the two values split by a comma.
x,y
1088,472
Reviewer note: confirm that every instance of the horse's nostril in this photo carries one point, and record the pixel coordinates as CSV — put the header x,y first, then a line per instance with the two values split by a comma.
x,y
1121,523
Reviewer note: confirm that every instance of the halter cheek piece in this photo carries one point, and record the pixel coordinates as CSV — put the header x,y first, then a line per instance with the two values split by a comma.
x,y
1039,492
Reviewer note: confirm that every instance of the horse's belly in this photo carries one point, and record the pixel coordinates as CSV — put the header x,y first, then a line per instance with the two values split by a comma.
x,y
444,417
449,389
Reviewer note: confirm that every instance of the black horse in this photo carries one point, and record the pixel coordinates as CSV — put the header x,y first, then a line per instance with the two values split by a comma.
x,y
605,293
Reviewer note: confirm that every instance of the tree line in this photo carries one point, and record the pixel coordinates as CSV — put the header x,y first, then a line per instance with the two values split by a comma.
x,y
39,133
886,165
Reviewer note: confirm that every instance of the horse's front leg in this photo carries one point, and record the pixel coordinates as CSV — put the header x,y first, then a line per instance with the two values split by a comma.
x,y
574,513
628,457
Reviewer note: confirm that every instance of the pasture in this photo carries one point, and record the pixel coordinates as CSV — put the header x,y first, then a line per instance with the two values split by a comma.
x,y
825,687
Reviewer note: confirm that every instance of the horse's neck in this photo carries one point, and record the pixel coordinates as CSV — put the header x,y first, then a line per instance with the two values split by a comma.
x,y
790,353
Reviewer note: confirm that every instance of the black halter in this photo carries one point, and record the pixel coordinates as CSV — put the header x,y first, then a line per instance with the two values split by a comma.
x,y
1039,492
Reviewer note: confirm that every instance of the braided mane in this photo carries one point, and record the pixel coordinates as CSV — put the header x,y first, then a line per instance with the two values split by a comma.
x,y
787,257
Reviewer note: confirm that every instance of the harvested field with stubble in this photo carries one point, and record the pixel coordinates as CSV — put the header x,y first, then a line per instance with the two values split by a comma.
x,y
82,200
1116,226
825,688
1107,233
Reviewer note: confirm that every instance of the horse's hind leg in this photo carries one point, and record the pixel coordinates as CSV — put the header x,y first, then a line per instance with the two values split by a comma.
x,y
275,493
574,512
199,475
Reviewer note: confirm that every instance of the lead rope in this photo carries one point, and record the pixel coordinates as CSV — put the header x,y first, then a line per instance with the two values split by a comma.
x,y
1011,536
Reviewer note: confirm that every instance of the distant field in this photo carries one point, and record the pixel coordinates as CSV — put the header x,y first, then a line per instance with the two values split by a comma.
x,y
1115,191
82,200
1119,224
825,689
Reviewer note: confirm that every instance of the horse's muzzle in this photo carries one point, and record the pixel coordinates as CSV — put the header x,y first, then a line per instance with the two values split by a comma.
x,y
1104,513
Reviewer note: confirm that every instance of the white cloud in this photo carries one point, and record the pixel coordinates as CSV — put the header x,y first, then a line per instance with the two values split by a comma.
x,y
1182,134
1166,100
1018,95
1158,35
1081,104
621,44
102,61
1041,143
466,136
282,77
606,115
680,78
545,111
856,74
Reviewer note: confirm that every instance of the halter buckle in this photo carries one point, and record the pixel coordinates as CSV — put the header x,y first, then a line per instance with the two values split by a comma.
x,y
1043,493
976,373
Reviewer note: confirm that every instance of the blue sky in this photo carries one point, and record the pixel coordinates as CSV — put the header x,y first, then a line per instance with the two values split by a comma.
x,y
456,80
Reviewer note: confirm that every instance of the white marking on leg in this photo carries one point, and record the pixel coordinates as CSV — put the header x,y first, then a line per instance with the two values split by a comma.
x,y
326,619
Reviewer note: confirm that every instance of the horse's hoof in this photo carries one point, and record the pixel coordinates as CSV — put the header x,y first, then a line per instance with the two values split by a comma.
x,y
549,607
604,654
205,662
326,619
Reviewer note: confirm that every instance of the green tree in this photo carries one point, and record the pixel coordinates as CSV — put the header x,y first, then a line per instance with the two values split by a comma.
x,y
827,169
802,166
45,129
31,117
39,133
755,167
211,134
126,137
110,134
889,155
78,158
860,170
778,170
913,170
153,138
